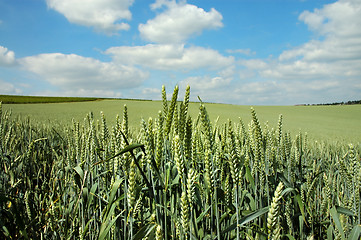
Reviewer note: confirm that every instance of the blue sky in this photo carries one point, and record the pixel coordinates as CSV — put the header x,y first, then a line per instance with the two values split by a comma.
x,y
254,52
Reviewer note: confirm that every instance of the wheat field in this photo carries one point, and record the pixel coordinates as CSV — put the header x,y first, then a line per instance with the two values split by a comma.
x,y
174,177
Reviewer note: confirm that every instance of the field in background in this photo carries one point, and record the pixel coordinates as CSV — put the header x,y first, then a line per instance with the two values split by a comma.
x,y
320,122
14,99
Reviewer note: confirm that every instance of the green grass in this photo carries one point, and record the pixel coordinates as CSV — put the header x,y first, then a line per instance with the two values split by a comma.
x,y
15,99
340,123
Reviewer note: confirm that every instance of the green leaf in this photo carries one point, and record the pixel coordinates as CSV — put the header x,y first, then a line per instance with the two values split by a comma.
x,y
334,215
85,193
249,177
91,195
287,190
285,181
301,221
78,178
105,230
251,201
5,231
166,176
79,171
330,232
290,237
252,216
344,211
87,227
109,211
128,148
246,219
300,205
156,170
203,213
114,190
355,233
144,231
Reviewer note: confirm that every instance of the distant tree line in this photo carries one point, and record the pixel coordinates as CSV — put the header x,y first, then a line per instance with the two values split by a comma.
x,y
335,103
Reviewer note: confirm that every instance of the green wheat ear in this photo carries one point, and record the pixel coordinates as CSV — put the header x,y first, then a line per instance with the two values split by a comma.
x,y
273,224
125,124
172,106
186,99
279,129
184,213
188,139
158,233
206,125
178,158
191,180
164,101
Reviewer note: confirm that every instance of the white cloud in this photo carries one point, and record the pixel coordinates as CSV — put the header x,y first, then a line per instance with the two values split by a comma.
x,y
326,67
170,57
303,70
338,55
247,51
253,64
206,82
86,93
160,3
179,22
7,57
279,92
329,50
257,93
151,91
73,72
339,23
342,19
245,74
103,15
8,88
79,93
211,88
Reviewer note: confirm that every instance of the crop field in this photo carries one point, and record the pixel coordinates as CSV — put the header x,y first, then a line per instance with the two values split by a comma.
x,y
341,123
13,99
173,169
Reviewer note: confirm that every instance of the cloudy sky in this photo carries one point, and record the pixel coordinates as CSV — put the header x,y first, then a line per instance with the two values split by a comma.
x,y
258,52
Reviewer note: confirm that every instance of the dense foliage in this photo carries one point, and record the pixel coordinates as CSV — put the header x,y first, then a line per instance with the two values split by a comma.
x,y
351,102
339,103
177,178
